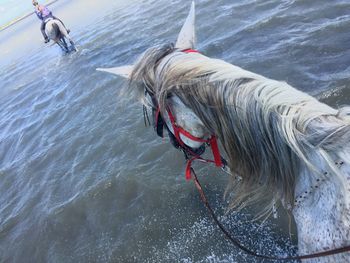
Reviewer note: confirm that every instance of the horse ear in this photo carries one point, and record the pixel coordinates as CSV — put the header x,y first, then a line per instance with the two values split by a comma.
x,y
123,71
187,36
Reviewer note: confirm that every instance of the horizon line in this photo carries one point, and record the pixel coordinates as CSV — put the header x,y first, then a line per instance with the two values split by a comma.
x,y
15,21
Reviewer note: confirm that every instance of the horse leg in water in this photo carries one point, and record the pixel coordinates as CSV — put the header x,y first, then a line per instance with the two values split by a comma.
x,y
72,43
65,34
63,45
65,42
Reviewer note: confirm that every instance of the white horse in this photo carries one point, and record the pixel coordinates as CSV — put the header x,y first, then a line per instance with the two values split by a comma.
x,y
276,138
57,32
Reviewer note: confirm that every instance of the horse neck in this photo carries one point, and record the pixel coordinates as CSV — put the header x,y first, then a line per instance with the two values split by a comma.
x,y
321,210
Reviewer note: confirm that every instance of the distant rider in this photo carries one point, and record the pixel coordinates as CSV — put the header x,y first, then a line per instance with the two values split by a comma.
x,y
43,13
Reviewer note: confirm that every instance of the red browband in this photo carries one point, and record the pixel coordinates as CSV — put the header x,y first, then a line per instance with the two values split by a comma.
x,y
190,51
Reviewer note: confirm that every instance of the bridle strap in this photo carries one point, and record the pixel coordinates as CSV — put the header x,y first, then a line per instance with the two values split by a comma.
x,y
212,141
190,50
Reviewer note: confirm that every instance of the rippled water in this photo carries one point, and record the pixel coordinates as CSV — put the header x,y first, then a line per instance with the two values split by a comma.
x,y
82,179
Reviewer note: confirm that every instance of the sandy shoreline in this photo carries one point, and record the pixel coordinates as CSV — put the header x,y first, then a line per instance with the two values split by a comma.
x,y
22,17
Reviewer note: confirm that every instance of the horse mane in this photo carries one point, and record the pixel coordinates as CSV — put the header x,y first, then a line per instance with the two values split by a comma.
x,y
270,132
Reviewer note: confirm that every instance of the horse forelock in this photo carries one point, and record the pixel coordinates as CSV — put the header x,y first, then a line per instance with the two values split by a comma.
x,y
267,128
143,76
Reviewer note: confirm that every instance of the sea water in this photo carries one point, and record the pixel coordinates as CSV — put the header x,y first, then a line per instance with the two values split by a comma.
x,y
81,177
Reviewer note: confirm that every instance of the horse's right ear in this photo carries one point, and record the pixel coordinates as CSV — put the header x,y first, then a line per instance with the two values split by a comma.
x,y
123,71
187,36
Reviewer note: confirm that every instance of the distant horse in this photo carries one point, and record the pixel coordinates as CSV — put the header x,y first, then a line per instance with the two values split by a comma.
x,y
279,143
57,32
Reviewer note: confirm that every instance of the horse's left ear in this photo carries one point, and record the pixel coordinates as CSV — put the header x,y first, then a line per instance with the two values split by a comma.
x,y
124,71
187,36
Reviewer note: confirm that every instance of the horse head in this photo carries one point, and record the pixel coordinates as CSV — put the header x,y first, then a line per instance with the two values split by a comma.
x,y
282,143
144,81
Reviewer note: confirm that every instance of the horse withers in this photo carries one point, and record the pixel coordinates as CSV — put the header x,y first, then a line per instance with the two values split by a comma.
x,y
57,32
277,139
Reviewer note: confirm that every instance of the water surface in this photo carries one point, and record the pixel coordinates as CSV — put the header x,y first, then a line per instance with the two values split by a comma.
x,y
82,179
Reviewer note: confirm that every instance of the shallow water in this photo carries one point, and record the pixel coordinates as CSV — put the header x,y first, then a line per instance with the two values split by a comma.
x,y
82,179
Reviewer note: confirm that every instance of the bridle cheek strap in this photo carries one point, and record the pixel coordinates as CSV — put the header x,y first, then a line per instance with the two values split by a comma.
x,y
215,150
212,141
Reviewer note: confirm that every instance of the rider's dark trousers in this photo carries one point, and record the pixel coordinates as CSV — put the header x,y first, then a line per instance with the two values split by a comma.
x,y
42,27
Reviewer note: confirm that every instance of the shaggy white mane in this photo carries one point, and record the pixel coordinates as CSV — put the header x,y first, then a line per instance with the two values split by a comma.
x,y
269,130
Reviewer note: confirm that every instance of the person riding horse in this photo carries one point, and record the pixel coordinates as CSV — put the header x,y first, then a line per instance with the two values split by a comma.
x,y
43,13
